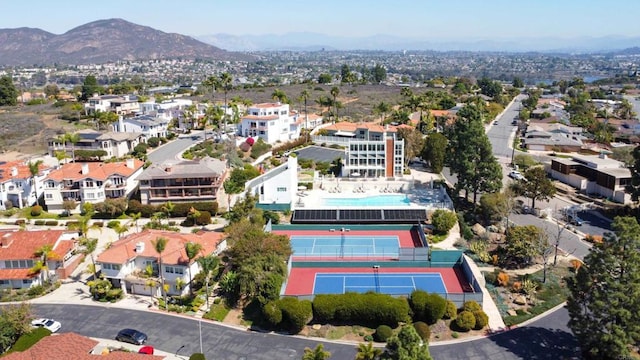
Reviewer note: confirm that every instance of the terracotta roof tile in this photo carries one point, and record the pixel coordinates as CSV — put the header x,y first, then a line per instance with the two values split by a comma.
x,y
174,254
20,245
21,167
97,170
16,274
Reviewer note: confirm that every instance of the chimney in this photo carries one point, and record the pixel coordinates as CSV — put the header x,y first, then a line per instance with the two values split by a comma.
x,y
85,169
139,247
168,168
603,155
130,163
14,171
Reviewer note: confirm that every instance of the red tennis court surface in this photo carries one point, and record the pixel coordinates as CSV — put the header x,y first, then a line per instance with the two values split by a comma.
x,y
301,279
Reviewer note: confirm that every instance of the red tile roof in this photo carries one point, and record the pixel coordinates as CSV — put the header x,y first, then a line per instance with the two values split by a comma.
x,y
123,250
22,168
16,274
68,346
352,127
20,245
97,170
266,105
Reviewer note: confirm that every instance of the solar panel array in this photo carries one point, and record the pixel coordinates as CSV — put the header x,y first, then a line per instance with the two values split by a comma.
x,y
358,216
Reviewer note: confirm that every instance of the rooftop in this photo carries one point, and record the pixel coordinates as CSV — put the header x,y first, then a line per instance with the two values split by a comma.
x,y
205,167
97,170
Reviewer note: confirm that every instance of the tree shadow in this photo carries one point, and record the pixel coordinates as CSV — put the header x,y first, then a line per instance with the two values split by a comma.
x,y
539,343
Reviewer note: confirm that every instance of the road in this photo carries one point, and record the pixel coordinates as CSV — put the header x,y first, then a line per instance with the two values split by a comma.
x,y
545,338
171,150
169,333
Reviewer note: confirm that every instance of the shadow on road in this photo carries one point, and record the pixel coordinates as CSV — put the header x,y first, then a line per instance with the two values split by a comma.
x,y
538,343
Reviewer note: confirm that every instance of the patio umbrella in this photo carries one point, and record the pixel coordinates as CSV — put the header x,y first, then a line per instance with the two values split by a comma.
x,y
302,188
355,174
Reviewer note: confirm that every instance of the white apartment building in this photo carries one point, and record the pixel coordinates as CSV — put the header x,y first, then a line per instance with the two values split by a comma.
x,y
148,126
272,122
115,144
90,182
121,105
18,186
276,189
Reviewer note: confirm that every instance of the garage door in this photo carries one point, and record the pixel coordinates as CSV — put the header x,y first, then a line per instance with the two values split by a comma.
x,y
536,147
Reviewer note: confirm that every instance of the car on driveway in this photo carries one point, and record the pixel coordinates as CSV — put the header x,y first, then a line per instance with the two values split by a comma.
x,y
132,336
48,324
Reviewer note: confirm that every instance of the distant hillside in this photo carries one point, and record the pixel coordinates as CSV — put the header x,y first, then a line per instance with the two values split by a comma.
x,y
103,41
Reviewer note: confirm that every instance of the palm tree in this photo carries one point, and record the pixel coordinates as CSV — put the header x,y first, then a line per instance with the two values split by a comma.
x,y
335,91
367,352
90,245
34,169
212,82
120,229
134,220
73,138
280,95
324,101
382,108
192,249
45,252
168,208
148,271
180,284
159,244
304,95
225,84
316,354
209,264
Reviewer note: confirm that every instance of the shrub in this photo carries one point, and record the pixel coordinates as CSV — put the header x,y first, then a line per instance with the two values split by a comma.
x,y
197,356
575,264
427,307
295,313
272,313
35,290
383,333
369,309
516,286
465,321
443,221
36,210
451,310
113,224
39,222
482,319
471,306
153,141
503,279
204,218
423,330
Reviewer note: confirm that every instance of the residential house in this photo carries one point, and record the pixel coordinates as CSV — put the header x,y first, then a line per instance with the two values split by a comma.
x,y
115,144
18,257
90,183
593,174
272,122
122,105
167,110
539,140
185,181
310,121
125,262
146,125
18,186
371,150
277,188
65,346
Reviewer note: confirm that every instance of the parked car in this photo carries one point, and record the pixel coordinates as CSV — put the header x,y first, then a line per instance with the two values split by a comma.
x,y
48,324
517,175
132,336
574,220
495,122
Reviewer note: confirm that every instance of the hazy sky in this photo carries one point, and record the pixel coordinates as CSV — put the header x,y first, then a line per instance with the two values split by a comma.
x,y
424,19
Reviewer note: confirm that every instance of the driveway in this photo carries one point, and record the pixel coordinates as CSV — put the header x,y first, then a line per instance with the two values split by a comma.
x,y
171,150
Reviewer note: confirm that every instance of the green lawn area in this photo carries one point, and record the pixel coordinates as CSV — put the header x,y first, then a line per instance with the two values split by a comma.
x,y
217,312
27,340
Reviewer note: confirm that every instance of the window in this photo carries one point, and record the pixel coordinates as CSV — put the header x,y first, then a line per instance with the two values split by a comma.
x,y
48,196
88,183
111,266
4,282
174,270
90,195
262,132
26,281
263,123
281,189
99,183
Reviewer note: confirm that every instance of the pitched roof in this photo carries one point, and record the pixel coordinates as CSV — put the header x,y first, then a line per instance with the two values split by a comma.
x,y
20,245
204,167
97,170
66,346
21,167
124,249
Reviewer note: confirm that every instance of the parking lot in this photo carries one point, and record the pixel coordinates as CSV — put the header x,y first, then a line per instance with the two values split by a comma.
x,y
320,154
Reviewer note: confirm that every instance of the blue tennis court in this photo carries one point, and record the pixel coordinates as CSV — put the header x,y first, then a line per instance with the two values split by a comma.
x,y
386,283
344,245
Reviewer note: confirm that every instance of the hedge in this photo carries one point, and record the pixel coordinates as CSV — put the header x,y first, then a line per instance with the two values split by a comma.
x,y
427,307
51,223
369,309
179,209
465,321
295,313
471,306
272,313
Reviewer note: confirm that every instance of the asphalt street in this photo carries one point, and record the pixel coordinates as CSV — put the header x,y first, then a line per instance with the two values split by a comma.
x,y
171,150
169,333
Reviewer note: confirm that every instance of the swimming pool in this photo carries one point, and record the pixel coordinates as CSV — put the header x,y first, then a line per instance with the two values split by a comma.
x,y
376,200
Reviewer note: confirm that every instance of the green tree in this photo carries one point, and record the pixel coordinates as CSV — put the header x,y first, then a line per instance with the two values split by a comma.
x,y
325,78
603,303
72,138
407,345
367,352
379,74
316,354
435,151
159,245
280,96
304,96
517,82
633,187
90,246
525,243
8,92
382,108
34,170
209,266
89,87
490,87
470,156
225,83
495,206
536,187
413,143
192,250
335,91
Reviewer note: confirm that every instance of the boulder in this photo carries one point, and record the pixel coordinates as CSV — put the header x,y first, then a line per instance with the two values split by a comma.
x,y
520,300
478,229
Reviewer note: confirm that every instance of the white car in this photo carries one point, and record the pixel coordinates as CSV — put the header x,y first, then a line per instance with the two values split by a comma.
x,y
48,324
517,175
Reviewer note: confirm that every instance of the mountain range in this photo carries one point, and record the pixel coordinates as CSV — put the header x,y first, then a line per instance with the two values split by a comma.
x,y
103,41
300,41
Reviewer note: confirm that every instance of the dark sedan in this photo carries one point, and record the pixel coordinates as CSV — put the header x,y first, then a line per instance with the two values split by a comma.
x,y
132,336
